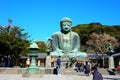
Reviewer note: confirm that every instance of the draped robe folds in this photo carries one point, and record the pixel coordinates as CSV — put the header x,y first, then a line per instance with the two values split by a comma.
x,y
66,45
72,44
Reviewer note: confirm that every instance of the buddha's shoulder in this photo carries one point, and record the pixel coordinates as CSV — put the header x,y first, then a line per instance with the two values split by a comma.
x,y
57,33
74,33
60,33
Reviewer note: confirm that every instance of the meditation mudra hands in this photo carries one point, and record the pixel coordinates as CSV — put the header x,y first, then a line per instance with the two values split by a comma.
x,y
65,51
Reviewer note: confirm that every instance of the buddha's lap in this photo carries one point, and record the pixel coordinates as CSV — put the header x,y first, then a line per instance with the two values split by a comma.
x,y
76,54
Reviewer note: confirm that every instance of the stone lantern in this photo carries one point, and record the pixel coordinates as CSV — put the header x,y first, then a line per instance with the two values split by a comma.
x,y
33,70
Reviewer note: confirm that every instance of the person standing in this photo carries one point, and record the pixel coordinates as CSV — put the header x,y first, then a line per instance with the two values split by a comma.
x,y
28,62
87,69
96,74
2,62
38,63
52,61
8,61
118,67
58,64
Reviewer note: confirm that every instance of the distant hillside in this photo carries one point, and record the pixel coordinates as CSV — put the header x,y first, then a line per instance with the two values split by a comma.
x,y
85,30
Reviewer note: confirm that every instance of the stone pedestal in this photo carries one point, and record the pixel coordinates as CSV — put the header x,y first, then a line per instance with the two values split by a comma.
x,y
32,75
33,71
111,62
48,62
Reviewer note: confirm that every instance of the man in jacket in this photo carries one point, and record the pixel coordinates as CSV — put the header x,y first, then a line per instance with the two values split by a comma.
x,y
58,64
96,74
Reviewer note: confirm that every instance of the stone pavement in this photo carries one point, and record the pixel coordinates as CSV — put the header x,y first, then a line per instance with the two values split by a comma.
x,y
56,77
66,74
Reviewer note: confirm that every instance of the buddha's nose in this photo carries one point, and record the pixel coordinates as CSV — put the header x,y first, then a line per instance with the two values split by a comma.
x,y
66,27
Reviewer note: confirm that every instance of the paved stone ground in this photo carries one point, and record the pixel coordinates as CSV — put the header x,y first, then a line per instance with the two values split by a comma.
x,y
66,74
56,77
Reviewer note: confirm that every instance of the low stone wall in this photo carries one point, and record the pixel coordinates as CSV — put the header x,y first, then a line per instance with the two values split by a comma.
x,y
22,70
68,71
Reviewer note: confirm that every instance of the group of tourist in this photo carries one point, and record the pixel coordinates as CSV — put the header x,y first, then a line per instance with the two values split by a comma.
x,y
87,68
79,67
6,61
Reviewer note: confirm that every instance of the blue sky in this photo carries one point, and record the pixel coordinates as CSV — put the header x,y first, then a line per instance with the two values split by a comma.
x,y
40,18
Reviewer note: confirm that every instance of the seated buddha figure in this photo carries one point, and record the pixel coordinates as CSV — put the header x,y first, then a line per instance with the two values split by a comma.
x,y
66,43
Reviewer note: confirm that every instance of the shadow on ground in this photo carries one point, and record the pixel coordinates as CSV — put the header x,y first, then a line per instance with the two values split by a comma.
x,y
111,78
111,72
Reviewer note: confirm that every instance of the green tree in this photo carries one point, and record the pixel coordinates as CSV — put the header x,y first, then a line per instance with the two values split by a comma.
x,y
42,46
101,42
85,30
13,41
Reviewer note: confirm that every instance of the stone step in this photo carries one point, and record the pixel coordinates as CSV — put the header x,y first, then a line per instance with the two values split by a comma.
x,y
68,71
71,71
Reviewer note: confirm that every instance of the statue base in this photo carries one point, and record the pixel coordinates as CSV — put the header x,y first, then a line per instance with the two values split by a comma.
x,y
80,55
32,72
32,75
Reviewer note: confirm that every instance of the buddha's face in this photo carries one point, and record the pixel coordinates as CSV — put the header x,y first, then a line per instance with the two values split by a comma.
x,y
66,26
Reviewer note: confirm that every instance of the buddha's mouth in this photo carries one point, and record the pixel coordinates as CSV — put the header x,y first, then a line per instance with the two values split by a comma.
x,y
66,29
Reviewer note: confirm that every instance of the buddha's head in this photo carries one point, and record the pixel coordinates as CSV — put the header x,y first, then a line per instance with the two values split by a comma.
x,y
66,24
